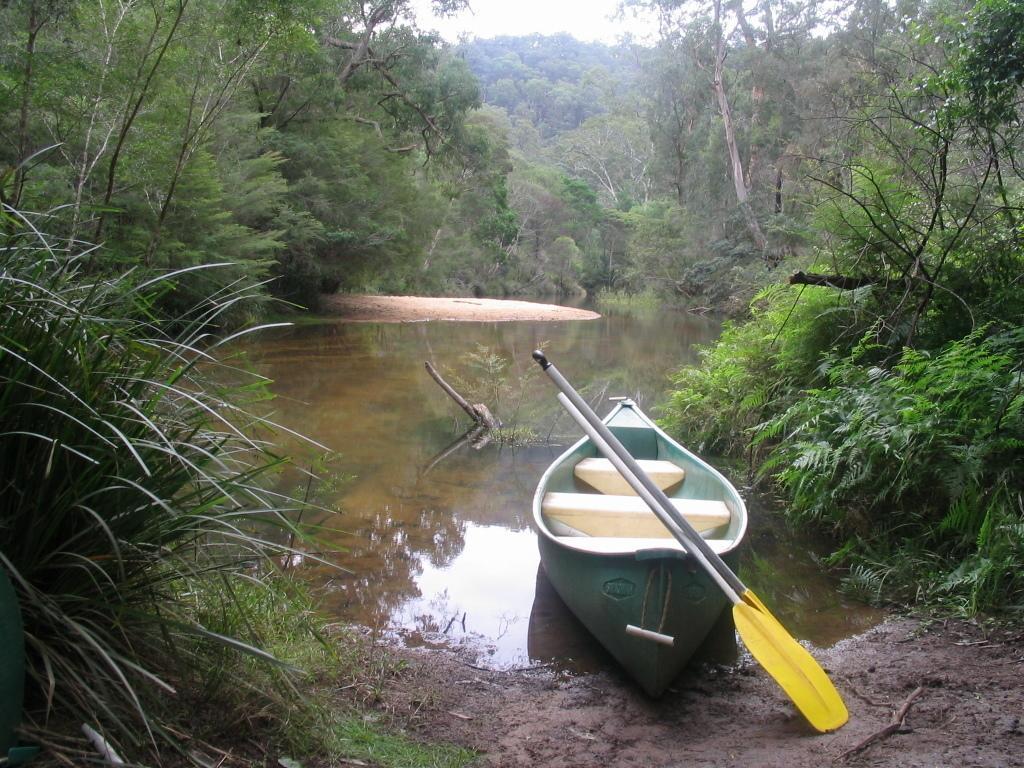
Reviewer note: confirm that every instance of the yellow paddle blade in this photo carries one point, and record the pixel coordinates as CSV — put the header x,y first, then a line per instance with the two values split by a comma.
x,y
793,668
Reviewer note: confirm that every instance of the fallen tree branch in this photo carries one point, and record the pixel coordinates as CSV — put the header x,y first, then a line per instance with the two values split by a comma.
x,y
480,413
894,726
842,282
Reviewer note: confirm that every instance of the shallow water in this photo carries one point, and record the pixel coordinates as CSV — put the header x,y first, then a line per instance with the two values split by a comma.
x,y
437,545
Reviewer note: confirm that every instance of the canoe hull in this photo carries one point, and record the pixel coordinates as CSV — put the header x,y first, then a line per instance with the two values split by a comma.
x,y
668,594
611,582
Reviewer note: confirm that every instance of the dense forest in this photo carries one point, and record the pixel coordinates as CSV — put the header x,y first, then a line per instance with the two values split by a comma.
x,y
842,180
312,146
320,147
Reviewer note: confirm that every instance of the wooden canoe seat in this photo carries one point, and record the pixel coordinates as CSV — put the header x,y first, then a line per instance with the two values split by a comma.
x,y
607,545
600,474
595,514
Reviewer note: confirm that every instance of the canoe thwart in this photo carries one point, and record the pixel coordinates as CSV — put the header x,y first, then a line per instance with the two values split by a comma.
x,y
602,475
596,514
648,634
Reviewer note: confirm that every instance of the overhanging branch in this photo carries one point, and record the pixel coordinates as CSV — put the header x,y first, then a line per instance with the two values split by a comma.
x,y
842,282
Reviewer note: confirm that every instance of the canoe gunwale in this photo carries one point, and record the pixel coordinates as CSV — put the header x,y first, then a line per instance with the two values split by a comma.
x,y
641,553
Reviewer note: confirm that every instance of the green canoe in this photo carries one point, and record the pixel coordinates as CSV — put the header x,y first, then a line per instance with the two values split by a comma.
x,y
617,567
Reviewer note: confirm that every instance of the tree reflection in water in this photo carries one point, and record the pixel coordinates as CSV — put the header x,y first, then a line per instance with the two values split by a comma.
x,y
424,547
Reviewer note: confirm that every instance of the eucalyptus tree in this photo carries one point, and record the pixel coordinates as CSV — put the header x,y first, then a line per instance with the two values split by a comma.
x,y
26,21
381,49
160,27
98,64
159,120
677,113
477,225
224,45
96,131
370,118
755,99
613,153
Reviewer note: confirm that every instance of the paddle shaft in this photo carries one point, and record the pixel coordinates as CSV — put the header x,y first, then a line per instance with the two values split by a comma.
x,y
652,495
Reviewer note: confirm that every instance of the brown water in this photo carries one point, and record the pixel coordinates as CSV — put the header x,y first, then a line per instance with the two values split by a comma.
x,y
437,544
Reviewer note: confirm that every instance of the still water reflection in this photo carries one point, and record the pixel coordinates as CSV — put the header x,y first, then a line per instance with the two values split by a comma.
x,y
437,545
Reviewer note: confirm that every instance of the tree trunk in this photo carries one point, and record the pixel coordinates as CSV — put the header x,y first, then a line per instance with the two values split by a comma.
x,y
133,107
89,159
34,25
196,129
778,190
360,52
480,413
437,234
735,163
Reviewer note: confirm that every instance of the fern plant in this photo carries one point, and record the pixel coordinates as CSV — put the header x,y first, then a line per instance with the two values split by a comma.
x,y
756,369
928,452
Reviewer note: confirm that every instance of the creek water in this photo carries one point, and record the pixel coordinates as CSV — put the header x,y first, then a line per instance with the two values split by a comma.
x,y
432,537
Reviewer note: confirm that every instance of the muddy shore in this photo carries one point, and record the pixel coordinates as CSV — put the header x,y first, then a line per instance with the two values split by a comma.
x,y
410,309
967,713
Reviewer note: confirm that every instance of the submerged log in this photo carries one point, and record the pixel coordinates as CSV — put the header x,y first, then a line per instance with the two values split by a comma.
x,y
480,413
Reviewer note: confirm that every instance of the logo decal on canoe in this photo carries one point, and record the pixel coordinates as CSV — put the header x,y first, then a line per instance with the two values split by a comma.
x,y
696,592
619,589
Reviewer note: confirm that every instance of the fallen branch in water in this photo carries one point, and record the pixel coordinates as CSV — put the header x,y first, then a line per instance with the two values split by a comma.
x,y
894,726
477,436
480,413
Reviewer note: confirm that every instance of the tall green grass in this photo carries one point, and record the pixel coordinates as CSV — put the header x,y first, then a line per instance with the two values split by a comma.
x,y
134,503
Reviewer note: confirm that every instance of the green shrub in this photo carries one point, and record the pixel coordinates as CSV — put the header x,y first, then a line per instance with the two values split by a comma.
x,y
920,464
912,458
755,369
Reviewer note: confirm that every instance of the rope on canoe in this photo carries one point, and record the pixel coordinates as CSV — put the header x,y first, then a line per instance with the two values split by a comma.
x,y
665,601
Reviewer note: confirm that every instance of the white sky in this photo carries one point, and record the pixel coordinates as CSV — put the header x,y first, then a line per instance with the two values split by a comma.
x,y
583,19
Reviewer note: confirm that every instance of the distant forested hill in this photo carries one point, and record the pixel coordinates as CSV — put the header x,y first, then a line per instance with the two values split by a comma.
x,y
556,82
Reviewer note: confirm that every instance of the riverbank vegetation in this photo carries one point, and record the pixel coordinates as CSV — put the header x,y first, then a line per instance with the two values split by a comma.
x,y
885,397
143,535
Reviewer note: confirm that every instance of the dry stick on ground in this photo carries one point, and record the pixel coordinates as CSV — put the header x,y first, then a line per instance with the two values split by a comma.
x,y
480,413
894,725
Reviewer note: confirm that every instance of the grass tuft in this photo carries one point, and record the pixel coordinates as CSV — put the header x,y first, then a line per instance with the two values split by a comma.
x,y
134,511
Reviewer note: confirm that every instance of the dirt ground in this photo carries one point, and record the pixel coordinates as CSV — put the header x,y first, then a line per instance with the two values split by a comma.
x,y
968,712
408,309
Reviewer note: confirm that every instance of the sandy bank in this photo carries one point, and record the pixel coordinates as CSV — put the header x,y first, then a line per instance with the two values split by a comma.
x,y
408,309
